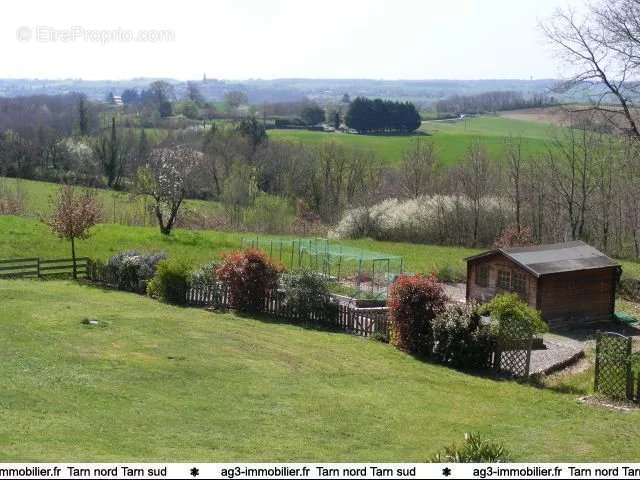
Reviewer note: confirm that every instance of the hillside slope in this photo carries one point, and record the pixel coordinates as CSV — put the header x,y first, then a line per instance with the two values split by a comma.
x,y
153,382
451,138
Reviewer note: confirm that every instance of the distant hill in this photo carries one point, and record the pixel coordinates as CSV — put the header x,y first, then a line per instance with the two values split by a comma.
x,y
422,92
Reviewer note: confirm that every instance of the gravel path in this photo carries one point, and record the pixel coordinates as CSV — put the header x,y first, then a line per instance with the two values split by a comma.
x,y
559,352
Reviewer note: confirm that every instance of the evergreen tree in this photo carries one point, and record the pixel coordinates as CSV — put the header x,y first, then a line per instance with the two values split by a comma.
x,y
382,116
336,119
253,130
312,114
143,146
83,116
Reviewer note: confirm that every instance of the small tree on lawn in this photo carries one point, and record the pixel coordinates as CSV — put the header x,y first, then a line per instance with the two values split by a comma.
x,y
74,213
167,177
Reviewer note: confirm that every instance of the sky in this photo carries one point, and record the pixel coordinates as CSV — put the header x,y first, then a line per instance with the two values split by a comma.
x,y
242,39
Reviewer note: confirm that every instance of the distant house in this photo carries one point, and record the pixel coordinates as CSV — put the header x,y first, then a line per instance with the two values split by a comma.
x,y
570,283
117,100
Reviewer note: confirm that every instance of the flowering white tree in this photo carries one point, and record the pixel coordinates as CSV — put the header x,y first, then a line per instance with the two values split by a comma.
x,y
167,177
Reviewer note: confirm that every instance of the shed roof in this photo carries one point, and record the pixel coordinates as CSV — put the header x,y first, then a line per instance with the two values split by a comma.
x,y
554,258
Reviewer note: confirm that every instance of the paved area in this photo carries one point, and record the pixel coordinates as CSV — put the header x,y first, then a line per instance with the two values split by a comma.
x,y
558,353
564,348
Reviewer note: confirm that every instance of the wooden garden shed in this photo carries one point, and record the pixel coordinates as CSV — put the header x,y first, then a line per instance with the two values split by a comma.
x,y
571,283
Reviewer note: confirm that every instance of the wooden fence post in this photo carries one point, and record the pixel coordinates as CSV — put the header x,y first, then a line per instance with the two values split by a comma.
x,y
528,361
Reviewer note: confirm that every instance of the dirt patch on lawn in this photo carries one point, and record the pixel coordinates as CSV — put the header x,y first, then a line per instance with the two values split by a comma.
x,y
549,115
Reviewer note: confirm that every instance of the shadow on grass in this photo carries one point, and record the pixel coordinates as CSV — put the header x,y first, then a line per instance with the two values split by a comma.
x,y
83,282
483,373
265,318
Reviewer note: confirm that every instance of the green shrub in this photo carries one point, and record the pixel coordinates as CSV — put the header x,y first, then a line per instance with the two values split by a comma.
x,y
629,288
414,301
269,213
475,449
510,308
449,274
204,276
130,271
461,339
307,293
170,283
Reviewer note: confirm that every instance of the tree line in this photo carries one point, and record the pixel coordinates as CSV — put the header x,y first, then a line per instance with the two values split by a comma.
x,y
584,185
491,102
382,116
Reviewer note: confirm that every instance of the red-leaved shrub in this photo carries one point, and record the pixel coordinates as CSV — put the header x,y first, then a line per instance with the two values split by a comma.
x,y
250,275
414,301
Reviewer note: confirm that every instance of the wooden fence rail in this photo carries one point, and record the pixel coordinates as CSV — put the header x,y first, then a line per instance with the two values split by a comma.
x,y
42,268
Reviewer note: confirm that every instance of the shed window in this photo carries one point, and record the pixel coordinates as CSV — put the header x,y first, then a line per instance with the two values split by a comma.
x,y
504,279
519,283
482,276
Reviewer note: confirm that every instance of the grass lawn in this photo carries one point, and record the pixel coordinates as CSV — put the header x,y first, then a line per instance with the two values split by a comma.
x,y
22,237
118,207
153,382
451,137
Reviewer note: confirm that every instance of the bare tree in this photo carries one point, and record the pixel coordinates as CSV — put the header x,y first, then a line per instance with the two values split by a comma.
x,y
223,147
74,213
516,164
166,178
570,160
418,168
607,164
536,187
339,178
476,174
601,47
629,193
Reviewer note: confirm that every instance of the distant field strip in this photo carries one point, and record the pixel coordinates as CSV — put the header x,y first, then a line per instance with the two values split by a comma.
x,y
451,138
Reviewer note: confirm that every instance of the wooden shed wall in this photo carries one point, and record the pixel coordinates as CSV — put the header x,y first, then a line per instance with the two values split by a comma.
x,y
564,299
496,263
581,296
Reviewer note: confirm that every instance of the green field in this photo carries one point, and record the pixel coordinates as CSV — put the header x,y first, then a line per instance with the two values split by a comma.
x,y
118,207
25,237
451,137
153,382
